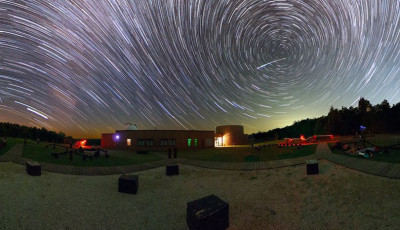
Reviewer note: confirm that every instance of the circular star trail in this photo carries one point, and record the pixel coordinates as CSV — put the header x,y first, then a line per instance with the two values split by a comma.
x,y
89,67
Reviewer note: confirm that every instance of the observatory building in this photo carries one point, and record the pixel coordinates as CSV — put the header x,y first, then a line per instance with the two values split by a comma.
x,y
133,138
230,135
158,140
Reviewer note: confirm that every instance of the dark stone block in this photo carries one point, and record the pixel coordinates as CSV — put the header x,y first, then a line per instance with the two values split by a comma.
x,y
128,183
172,169
312,167
33,168
209,213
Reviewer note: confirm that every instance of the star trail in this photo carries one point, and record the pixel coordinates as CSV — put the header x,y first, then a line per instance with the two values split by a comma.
x,y
89,67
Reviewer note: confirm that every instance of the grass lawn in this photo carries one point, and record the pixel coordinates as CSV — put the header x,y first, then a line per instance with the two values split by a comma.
x,y
381,140
247,154
267,143
117,157
10,143
384,139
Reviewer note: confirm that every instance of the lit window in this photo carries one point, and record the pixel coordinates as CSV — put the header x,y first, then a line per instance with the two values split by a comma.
x,y
195,142
128,142
189,142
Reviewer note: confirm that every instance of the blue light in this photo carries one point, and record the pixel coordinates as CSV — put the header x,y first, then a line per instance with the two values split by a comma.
x,y
116,137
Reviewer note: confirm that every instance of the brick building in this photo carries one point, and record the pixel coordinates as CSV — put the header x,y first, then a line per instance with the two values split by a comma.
x,y
158,139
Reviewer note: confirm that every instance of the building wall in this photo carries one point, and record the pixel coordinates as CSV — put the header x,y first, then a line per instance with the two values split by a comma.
x,y
159,139
232,135
107,141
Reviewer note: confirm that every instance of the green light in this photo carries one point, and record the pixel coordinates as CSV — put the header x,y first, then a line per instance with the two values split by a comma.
x,y
195,142
189,142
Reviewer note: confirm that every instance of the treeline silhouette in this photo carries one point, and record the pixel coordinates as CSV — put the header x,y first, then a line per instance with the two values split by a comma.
x,y
14,130
380,118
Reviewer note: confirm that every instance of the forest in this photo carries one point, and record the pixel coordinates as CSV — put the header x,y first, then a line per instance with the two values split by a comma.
x,y
15,130
380,118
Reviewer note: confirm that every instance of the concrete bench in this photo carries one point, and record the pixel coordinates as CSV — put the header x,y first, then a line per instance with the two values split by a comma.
x,y
128,183
209,213
33,168
172,169
312,167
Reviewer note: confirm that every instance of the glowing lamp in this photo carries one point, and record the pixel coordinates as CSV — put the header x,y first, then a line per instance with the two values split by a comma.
x,y
116,137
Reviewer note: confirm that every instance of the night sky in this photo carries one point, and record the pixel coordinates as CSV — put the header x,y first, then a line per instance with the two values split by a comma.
x,y
89,67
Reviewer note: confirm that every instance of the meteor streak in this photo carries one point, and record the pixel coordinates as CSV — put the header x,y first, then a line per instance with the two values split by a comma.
x,y
38,113
269,63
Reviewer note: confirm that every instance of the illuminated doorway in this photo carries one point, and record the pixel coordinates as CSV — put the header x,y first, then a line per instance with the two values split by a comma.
x,y
219,141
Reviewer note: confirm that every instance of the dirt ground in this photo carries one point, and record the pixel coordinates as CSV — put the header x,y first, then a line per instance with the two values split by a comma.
x,y
285,198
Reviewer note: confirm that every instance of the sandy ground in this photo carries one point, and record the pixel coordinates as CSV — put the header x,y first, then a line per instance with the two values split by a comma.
x,y
284,198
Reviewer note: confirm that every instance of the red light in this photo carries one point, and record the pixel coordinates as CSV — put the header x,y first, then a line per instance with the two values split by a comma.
x,y
80,143
302,137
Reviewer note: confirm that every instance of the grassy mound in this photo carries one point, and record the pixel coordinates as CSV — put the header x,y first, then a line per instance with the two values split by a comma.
x,y
10,143
247,154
